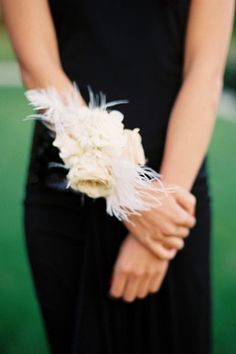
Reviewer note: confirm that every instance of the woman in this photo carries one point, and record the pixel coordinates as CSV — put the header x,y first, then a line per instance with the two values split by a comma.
x,y
105,286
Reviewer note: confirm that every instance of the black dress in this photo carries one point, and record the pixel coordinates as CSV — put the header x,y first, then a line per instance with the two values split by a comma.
x,y
128,50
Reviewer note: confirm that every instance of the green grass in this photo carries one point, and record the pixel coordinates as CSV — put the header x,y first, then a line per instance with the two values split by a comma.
x,y
21,330
223,179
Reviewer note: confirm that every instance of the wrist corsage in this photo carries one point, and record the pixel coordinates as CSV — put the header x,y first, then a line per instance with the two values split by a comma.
x,y
103,158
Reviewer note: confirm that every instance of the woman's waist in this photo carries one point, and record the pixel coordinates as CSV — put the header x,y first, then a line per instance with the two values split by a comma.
x,y
41,171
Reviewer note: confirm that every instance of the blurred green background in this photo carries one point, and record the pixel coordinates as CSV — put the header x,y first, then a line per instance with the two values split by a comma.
x,y
21,330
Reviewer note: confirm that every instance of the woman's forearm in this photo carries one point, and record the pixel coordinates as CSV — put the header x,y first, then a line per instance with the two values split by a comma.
x,y
193,115
34,40
43,74
190,127
46,72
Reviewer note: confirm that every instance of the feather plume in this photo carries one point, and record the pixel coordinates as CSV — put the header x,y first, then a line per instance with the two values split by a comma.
x,y
92,139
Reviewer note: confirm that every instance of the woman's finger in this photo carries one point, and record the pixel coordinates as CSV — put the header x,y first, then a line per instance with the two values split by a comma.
x,y
176,231
186,199
158,249
156,282
131,287
144,286
118,284
173,242
182,232
184,219
157,279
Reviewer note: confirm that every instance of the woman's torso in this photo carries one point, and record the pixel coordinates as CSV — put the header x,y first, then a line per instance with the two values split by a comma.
x,y
128,49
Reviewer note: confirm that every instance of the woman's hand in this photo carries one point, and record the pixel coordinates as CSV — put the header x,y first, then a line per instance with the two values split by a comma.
x,y
137,271
162,229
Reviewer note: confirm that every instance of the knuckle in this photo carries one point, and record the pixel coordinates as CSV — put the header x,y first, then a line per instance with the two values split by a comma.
x,y
175,234
165,256
186,232
151,271
170,255
131,271
160,255
125,270
178,244
176,219
172,244
138,272
169,229
182,218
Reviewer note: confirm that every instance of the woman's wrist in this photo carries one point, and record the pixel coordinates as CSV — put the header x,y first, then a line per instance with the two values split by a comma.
x,y
50,77
180,178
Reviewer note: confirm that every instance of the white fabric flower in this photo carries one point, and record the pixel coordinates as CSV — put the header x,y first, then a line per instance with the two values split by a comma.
x,y
91,177
133,150
69,148
103,158
100,129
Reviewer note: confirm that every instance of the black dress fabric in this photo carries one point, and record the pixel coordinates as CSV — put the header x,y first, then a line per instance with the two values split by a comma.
x,y
131,50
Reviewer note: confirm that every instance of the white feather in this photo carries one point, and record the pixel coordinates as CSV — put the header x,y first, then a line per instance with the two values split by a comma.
x,y
134,188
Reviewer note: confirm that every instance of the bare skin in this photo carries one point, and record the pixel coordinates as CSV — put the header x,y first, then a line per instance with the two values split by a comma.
x,y
136,274
189,131
193,115
163,229
34,40
210,24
